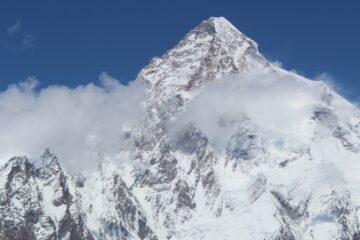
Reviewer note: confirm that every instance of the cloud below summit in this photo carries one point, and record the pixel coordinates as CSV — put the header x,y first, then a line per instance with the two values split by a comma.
x,y
77,124
84,124
280,106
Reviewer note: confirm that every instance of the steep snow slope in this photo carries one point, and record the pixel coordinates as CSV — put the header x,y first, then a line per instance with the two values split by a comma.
x,y
231,147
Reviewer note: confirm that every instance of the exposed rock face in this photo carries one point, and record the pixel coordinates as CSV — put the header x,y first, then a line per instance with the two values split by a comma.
x,y
36,202
179,185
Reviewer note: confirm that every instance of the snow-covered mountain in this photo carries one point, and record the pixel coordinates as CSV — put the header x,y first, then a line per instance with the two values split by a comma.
x,y
231,147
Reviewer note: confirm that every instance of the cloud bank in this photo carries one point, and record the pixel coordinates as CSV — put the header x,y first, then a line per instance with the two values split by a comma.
x,y
85,124
78,124
278,105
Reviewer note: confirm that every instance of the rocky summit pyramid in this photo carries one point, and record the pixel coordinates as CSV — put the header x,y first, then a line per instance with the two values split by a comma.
x,y
269,180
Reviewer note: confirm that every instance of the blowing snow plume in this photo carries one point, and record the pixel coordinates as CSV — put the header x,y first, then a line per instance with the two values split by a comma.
x,y
80,125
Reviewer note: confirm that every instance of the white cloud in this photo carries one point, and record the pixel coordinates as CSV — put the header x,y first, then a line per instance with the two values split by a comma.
x,y
77,124
15,28
280,106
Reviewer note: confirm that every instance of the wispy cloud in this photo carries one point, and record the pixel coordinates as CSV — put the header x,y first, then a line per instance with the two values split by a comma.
x,y
14,29
16,39
27,42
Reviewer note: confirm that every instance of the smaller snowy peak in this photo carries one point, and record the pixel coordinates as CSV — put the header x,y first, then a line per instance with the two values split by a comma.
x,y
49,165
36,203
48,158
18,161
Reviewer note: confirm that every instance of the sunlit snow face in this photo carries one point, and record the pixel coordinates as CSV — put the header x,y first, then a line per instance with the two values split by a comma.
x,y
279,106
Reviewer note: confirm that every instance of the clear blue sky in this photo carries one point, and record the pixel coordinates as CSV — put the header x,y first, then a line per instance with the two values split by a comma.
x,y
71,42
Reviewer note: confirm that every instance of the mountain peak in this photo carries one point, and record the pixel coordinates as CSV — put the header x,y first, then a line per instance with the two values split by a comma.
x,y
212,49
219,20
215,25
